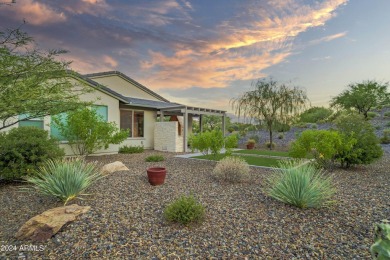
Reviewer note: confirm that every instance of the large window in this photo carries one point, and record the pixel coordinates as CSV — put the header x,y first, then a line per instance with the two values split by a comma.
x,y
36,122
101,111
133,121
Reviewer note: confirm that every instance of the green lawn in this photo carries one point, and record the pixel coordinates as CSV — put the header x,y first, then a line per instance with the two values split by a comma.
x,y
251,160
263,152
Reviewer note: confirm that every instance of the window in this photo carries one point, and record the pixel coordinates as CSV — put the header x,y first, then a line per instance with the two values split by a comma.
x,y
102,111
132,121
36,122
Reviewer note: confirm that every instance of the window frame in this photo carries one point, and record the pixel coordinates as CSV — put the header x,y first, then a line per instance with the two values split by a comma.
x,y
132,123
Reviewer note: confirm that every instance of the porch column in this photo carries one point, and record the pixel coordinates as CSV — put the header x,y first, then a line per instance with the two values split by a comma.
x,y
223,124
161,116
185,119
200,124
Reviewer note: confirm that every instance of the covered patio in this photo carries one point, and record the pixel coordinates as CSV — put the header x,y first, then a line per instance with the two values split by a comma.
x,y
187,113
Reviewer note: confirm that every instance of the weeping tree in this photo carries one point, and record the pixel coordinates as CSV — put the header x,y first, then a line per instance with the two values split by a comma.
x,y
271,103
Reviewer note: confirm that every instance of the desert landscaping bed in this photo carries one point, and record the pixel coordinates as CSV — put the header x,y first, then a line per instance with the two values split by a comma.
x,y
126,220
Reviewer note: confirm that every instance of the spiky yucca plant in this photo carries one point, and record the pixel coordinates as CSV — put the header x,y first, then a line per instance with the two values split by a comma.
x,y
64,179
300,185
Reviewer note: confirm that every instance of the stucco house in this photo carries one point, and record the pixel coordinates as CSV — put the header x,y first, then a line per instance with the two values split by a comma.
x,y
129,104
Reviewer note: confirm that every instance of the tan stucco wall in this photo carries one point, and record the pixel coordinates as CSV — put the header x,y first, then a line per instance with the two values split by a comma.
x,y
123,87
98,98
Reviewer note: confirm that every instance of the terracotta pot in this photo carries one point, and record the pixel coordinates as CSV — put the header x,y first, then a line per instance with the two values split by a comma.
x,y
250,146
156,175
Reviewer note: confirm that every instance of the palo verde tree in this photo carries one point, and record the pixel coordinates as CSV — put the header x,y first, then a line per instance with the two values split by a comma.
x,y
33,83
270,102
87,132
363,96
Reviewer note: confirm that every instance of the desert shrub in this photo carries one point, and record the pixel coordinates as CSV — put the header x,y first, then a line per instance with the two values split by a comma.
x,y
86,131
371,115
386,114
280,136
64,179
301,125
154,158
381,248
315,114
387,124
281,127
207,141
303,186
231,142
313,126
254,138
386,137
323,145
268,145
185,210
366,149
23,149
377,127
131,149
231,169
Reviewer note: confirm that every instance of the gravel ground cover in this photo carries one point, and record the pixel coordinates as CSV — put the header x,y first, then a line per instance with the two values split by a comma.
x,y
126,220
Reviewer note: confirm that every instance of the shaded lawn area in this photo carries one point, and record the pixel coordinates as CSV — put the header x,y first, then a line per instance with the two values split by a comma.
x,y
264,152
251,160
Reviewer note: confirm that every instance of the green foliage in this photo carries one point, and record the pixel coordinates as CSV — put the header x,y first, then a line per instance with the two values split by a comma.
x,y
154,158
87,132
324,145
271,103
386,137
371,115
254,139
207,142
315,115
388,124
34,82
280,136
185,210
269,145
231,169
281,127
251,141
23,149
128,149
366,148
381,248
231,141
65,180
313,126
362,97
303,186
386,114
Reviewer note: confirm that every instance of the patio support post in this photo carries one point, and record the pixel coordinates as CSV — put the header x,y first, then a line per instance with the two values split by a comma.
x,y
223,124
200,124
185,129
161,116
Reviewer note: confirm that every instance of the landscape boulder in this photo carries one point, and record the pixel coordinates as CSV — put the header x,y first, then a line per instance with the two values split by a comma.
x,y
47,224
114,167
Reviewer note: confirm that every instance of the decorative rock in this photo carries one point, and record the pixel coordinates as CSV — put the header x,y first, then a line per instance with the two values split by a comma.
x,y
47,224
114,167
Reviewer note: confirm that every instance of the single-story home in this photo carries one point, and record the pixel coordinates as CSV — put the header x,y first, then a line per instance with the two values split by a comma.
x,y
129,104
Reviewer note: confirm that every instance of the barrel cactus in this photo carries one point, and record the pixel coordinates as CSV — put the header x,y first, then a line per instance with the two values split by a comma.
x,y
380,250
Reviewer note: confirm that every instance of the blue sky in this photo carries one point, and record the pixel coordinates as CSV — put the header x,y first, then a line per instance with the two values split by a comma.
x,y
203,53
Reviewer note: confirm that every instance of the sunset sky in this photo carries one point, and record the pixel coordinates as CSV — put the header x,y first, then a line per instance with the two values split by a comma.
x,y
204,52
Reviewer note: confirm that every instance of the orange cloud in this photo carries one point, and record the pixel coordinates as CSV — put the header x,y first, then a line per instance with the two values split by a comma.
x,y
110,61
36,13
242,50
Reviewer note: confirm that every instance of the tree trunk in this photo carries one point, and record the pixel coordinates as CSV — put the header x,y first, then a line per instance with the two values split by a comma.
x,y
270,138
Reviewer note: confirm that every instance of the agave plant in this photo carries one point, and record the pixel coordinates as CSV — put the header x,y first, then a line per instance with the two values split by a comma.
x,y
301,185
64,179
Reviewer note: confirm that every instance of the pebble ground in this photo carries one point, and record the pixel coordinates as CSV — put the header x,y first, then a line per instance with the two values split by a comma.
x,y
126,220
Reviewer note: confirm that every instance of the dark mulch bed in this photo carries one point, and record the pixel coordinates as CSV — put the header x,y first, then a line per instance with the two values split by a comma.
x,y
126,218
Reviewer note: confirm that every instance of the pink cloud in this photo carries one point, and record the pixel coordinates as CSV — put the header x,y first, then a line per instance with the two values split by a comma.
x,y
36,13
242,50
